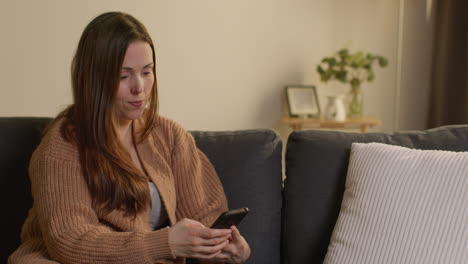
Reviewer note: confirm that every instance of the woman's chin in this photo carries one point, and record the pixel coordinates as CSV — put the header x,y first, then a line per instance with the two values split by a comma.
x,y
134,115
129,115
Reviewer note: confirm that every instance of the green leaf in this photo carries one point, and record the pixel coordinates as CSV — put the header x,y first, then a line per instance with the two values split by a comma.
x,y
343,65
341,76
320,70
370,76
359,55
362,62
382,61
355,82
326,75
343,53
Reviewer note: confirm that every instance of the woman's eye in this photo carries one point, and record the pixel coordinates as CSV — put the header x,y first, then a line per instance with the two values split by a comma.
x,y
123,77
147,73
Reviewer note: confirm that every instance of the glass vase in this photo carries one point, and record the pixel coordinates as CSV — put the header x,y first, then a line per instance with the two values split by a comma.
x,y
355,105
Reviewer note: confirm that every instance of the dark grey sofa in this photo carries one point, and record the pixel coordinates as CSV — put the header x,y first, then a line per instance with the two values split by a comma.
x,y
316,167
290,225
248,163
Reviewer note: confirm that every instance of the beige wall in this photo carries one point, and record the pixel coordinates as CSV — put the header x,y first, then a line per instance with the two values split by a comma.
x,y
221,64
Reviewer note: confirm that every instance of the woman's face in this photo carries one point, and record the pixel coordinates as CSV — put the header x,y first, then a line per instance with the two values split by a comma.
x,y
136,82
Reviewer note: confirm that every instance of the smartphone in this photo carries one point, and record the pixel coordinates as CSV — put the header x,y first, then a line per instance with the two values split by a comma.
x,y
230,218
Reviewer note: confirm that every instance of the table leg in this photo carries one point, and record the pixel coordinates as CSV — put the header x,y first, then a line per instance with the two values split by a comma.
x,y
296,126
363,128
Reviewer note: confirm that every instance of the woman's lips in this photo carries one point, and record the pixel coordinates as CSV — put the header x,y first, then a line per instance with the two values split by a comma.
x,y
137,104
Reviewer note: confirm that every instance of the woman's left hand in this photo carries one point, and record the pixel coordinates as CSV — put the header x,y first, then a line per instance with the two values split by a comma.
x,y
237,251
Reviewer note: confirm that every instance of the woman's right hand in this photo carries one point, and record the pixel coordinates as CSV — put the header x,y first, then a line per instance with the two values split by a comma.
x,y
189,238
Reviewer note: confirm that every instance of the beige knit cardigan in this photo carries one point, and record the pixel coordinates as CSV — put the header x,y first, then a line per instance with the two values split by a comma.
x,y
63,226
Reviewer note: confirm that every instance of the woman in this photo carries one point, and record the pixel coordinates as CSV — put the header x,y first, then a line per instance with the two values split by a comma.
x,y
114,182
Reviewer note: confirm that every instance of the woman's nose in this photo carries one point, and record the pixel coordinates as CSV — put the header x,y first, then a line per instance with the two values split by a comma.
x,y
137,85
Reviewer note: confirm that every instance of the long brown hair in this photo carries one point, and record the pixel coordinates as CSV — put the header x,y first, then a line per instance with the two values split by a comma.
x,y
113,180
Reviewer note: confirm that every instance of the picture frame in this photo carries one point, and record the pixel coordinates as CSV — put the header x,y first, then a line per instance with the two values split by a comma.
x,y
302,101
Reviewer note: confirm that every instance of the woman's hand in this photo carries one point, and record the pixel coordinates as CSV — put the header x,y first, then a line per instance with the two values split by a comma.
x,y
237,251
189,238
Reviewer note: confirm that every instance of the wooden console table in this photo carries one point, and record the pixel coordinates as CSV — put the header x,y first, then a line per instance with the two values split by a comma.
x,y
363,123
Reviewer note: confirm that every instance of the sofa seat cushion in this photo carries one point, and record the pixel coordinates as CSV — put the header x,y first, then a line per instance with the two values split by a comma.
x,y
402,205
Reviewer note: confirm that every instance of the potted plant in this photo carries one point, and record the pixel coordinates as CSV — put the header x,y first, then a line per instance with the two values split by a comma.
x,y
353,68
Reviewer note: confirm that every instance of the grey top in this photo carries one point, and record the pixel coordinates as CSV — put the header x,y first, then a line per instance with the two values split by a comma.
x,y
158,215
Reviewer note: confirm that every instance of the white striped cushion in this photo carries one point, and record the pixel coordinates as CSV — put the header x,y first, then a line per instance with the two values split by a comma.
x,y
402,206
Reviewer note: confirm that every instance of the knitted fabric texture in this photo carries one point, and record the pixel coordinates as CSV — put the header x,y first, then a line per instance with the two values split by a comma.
x,y
63,226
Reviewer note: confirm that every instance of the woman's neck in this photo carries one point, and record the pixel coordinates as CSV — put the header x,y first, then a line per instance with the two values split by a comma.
x,y
124,132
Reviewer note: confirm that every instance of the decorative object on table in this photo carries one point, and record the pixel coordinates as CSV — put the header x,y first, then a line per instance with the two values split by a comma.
x,y
302,101
353,68
335,109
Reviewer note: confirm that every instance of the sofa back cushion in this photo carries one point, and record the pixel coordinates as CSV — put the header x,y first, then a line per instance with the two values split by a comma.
x,y
316,167
248,164
18,138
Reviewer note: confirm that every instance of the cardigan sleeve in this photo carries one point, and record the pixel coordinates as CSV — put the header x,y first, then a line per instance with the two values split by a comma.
x,y
70,227
200,194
